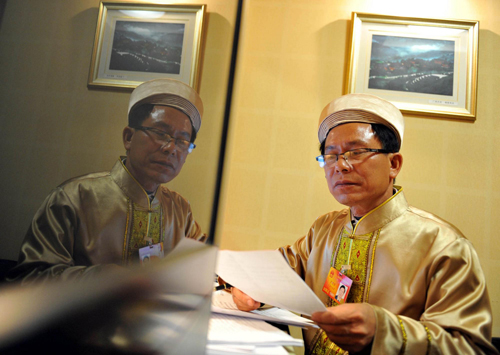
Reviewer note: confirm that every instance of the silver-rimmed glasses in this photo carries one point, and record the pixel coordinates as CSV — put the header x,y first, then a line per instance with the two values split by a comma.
x,y
351,156
164,138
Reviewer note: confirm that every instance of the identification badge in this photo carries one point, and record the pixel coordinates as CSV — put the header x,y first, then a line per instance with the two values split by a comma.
x,y
150,253
337,286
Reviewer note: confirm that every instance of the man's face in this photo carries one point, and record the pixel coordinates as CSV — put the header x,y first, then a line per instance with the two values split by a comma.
x,y
364,185
150,162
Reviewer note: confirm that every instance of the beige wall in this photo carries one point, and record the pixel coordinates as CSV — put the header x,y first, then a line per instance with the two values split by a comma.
x,y
54,128
291,64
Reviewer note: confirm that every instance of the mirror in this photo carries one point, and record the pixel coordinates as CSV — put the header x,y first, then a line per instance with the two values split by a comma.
x,y
54,128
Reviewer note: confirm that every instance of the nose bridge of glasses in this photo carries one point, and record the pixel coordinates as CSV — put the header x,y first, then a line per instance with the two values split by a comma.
x,y
167,140
179,144
336,157
341,163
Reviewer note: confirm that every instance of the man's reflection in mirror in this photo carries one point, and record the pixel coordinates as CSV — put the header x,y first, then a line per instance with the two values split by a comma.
x,y
103,220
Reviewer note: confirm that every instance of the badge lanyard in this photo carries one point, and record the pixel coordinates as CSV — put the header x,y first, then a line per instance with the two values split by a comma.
x,y
346,267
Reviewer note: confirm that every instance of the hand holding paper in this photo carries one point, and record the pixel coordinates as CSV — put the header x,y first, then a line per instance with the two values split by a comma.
x,y
266,277
222,302
244,301
351,326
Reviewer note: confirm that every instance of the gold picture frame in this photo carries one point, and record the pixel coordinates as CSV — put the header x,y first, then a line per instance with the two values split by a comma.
x,y
139,41
423,66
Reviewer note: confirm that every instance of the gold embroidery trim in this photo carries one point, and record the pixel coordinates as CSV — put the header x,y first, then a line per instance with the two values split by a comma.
x,y
145,230
371,266
429,339
324,346
162,226
359,263
360,267
405,337
315,340
124,253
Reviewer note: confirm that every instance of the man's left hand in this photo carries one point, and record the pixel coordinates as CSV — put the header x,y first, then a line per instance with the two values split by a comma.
x,y
351,325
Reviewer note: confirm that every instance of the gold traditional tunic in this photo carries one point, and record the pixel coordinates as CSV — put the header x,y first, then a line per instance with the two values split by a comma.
x,y
419,273
99,219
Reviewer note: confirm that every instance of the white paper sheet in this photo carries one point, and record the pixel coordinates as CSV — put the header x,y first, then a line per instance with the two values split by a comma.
x,y
233,349
266,277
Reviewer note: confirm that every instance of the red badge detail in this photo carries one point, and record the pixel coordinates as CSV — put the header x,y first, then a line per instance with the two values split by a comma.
x,y
344,245
357,277
326,339
140,224
358,254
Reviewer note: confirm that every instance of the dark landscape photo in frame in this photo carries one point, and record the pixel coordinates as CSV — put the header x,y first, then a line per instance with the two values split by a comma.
x,y
412,65
147,47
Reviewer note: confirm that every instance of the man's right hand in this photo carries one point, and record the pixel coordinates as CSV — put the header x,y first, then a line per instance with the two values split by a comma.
x,y
243,301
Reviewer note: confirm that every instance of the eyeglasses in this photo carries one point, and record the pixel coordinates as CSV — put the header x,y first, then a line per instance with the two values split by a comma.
x,y
164,138
351,157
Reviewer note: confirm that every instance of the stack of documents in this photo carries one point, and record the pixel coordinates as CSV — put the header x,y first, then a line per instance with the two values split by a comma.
x,y
234,331
234,335
263,275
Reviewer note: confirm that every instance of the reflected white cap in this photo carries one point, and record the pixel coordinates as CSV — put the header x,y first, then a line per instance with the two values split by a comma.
x,y
172,93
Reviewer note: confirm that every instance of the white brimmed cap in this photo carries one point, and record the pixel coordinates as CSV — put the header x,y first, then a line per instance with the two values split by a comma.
x,y
362,108
172,93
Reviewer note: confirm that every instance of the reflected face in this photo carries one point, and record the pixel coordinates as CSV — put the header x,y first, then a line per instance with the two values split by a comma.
x,y
364,185
153,163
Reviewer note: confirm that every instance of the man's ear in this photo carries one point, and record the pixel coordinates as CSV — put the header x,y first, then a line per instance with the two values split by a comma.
x,y
127,135
396,160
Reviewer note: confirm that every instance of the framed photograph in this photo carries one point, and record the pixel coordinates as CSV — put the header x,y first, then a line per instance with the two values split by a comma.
x,y
423,66
138,41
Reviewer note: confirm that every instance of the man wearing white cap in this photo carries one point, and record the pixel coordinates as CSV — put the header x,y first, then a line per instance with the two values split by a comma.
x,y
94,221
417,285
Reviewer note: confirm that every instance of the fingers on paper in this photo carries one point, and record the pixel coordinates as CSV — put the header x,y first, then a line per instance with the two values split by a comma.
x,y
350,326
243,301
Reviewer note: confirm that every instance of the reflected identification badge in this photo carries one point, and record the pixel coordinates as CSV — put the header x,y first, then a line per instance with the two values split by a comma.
x,y
337,286
150,253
